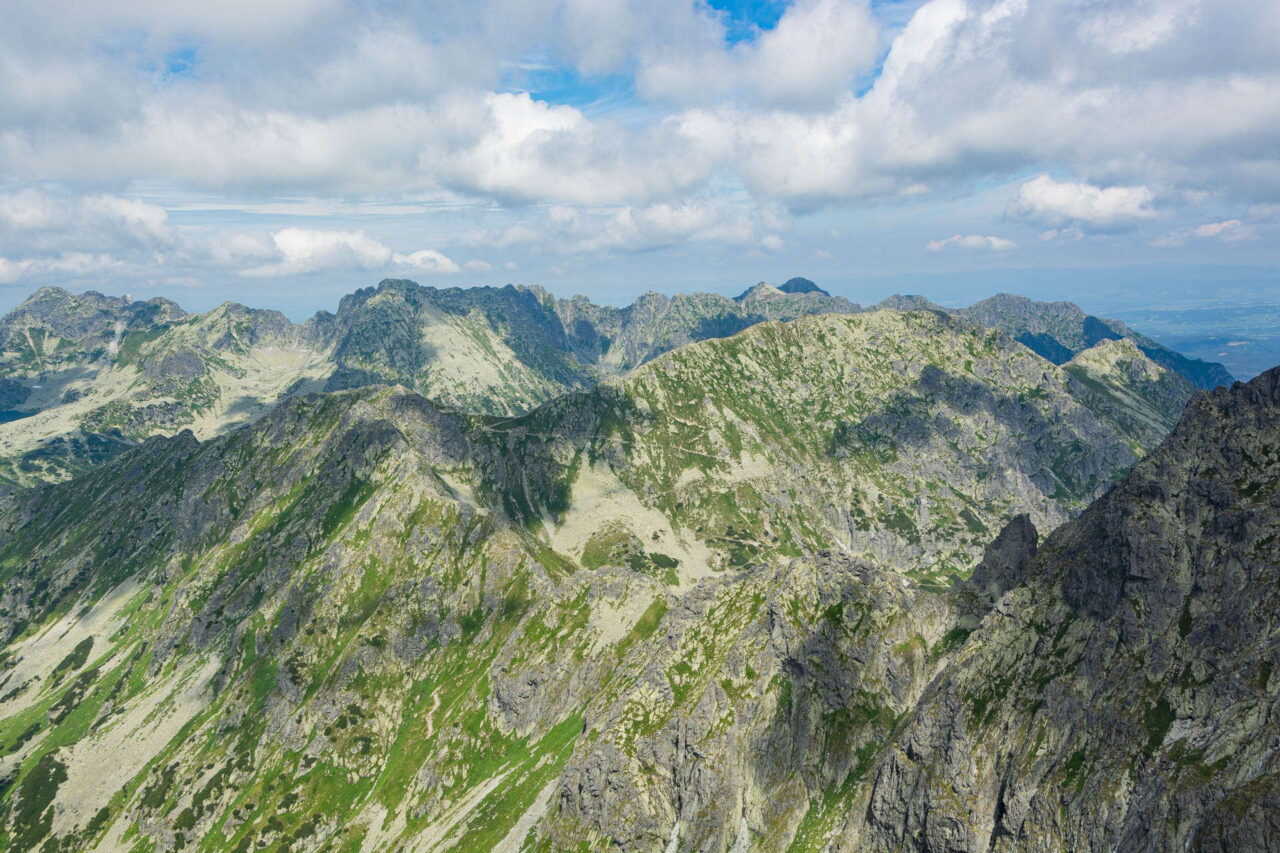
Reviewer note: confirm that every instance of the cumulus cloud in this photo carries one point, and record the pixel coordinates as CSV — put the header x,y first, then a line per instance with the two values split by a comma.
x,y
1226,231
1229,231
972,88
670,132
810,60
304,250
629,228
46,236
426,260
74,264
326,96
1084,206
39,221
972,241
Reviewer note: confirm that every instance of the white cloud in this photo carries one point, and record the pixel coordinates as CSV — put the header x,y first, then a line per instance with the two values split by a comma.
x,y
132,219
639,228
68,263
815,53
972,241
973,88
39,221
237,250
1148,104
1229,231
426,260
332,99
1140,28
303,250
1082,206
771,243
1061,235
28,210
51,236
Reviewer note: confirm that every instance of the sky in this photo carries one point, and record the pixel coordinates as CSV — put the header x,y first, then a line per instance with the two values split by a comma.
x,y
282,153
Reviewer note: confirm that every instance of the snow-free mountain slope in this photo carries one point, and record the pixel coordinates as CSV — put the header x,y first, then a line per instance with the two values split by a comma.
x,y
1120,697
365,620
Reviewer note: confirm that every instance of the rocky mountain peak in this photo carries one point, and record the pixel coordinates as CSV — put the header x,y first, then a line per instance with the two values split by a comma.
x,y
1113,699
909,302
760,291
801,285
497,350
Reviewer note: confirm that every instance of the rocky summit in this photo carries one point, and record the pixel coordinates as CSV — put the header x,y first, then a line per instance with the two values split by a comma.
x,y
492,571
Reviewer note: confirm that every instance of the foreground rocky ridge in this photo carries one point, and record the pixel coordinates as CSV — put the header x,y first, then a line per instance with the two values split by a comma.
x,y
1120,697
84,377
689,606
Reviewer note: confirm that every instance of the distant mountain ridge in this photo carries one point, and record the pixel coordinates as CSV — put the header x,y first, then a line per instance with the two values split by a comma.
x,y
82,377
1059,330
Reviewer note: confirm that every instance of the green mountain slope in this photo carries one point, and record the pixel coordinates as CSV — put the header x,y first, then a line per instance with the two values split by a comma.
x,y
690,603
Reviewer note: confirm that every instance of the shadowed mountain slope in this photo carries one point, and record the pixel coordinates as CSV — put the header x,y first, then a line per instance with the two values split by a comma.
x,y
1120,696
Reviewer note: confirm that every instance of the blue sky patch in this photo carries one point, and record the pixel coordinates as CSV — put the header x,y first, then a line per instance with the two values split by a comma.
x,y
564,85
181,62
744,20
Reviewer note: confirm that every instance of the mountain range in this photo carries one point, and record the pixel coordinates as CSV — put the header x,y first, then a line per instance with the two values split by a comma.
x,y
83,377
780,588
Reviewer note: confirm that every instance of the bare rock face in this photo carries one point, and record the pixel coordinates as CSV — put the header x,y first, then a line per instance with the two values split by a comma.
x,y
1120,698
710,743
1005,561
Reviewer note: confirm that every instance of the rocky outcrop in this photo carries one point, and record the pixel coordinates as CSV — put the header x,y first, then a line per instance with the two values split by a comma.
x,y
767,690
52,314
1004,562
1120,697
